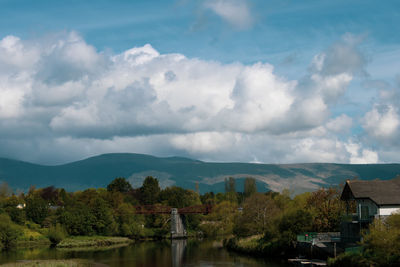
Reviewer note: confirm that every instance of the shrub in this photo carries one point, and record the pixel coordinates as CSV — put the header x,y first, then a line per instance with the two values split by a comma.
x,y
9,232
56,234
350,259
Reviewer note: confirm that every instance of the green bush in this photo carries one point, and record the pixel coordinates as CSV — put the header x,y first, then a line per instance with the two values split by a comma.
x,y
9,232
56,234
350,259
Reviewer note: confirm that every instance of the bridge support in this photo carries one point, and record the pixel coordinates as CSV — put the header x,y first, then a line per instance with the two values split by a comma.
x,y
177,228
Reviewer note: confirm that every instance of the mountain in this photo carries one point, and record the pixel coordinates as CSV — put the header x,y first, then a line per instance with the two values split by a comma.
x,y
100,170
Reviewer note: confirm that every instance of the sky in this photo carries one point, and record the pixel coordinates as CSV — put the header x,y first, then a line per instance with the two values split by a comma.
x,y
216,80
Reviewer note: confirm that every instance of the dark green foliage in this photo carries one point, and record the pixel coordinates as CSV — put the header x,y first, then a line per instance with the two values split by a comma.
x,y
249,187
104,223
350,260
36,209
294,223
208,198
178,197
119,184
78,220
8,232
10,206
56,234
150,190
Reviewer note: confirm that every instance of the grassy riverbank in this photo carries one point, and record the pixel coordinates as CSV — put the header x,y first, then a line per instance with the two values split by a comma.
x,y
93,241
51,263
249,245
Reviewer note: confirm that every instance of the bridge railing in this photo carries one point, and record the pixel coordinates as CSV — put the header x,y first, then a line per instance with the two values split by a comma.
x,y
152,209
159,209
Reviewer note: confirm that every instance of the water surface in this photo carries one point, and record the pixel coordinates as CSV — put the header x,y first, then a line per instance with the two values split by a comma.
x,y
159,253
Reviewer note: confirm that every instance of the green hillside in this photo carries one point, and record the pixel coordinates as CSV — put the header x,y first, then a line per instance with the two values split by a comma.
x,y
100,170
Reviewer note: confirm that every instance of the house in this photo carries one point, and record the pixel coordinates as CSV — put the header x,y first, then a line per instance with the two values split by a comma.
x,y
373,199
21,206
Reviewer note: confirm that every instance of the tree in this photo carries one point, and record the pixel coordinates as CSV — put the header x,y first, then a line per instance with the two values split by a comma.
x,y
56,234
10,206
382,242
221,220
293,223
78,219
119,184
259,211
8,232
230,185
327,209
50,194
149,191
249,186
36,209
5,190
178,197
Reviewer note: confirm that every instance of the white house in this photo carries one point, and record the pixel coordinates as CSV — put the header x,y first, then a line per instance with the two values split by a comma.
x,y
377,198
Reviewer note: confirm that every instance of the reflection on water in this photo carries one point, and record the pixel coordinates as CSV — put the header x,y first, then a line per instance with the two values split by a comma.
x,y
178,250
161,253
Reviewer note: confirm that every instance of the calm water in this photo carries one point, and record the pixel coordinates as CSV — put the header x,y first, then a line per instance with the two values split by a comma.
x,y
161,253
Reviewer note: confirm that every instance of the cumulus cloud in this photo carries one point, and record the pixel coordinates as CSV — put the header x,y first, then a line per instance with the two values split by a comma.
x,y
382,121
235,12
62,97
359,155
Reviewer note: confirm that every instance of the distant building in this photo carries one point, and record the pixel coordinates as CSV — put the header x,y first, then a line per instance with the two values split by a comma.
x,y
373,199
21,206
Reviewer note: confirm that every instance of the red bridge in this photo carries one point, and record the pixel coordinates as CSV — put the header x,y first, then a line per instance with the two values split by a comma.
x,y
158,209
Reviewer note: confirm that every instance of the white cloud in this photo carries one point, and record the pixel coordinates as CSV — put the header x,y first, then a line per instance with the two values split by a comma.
x,y
359,155
235,12
340,124
382,121
65,99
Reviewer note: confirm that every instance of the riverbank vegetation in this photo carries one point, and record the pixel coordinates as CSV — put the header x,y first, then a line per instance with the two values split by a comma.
x,y
380,246
54,215
254,223
270,222
51,263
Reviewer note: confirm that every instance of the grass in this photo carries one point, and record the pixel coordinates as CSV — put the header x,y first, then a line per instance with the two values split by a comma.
x,y
248,245
28,234
51,263
92,241
31,238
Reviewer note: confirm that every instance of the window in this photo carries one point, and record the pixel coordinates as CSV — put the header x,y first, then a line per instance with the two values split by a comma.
x,y
364,213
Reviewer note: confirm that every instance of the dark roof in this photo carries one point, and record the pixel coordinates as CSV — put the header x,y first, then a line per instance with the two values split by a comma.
x,y
382,192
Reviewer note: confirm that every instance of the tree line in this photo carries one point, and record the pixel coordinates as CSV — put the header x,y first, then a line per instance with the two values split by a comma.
x,y
276,217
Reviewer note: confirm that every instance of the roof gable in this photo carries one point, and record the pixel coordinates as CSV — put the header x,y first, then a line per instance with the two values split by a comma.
x,y
382,192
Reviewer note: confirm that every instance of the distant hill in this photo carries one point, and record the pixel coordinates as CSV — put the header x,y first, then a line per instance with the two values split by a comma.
x,y
100,170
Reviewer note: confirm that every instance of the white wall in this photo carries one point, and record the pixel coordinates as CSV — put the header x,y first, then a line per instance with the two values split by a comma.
x,y
388,210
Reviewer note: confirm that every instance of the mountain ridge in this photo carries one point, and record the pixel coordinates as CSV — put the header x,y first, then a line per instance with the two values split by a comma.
x,y
99,170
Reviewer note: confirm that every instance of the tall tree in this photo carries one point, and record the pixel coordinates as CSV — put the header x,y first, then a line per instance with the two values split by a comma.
x,y
150,190
327,208
5,190
249,186
119,184
36,209
230,185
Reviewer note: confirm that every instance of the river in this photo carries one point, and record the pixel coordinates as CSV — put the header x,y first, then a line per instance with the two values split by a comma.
x,y
158,253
